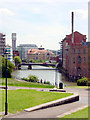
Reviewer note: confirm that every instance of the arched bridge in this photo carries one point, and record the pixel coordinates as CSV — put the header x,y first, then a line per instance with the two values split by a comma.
x,y
40,64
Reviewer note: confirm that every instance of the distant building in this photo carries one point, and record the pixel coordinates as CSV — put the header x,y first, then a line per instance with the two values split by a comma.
x,y
39,54
76,56
2,43
56,52
23,49
57,55
9,50
13,41
15,53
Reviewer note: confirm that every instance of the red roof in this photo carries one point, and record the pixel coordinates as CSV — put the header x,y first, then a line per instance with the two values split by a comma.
x,y
34,51
78,38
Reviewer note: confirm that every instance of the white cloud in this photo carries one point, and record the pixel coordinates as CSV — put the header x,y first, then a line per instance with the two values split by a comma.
x,y
5,11
47,28
80,13
44,1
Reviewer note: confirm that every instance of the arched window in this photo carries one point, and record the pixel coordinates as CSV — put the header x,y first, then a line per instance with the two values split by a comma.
x,y
73,70
79,71
48,54
74,50
79,51
73,59
84,71
84,51
79,59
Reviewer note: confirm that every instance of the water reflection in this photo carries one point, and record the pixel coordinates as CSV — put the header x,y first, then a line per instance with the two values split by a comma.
x,y
44,73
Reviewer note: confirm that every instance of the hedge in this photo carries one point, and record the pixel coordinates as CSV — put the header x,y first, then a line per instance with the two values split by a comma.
x,y
82,82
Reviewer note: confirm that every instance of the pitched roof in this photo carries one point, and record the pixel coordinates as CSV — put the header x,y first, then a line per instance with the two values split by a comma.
x,y
34,51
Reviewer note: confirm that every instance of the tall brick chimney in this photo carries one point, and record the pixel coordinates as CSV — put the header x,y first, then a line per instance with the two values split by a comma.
x,y
72,27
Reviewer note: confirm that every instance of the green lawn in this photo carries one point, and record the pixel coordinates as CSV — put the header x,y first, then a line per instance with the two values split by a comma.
x,y
83,87
14,82
20,99
84,113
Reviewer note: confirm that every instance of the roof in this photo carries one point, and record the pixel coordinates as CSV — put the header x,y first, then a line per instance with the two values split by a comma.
x,y
34,51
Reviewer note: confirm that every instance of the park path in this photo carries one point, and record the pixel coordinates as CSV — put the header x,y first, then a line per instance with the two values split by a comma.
x,y
57,111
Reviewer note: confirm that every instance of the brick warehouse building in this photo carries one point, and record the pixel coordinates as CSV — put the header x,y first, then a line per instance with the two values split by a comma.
x,y
75,56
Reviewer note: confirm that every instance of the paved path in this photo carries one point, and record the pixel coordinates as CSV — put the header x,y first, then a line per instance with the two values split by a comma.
x,y
56,111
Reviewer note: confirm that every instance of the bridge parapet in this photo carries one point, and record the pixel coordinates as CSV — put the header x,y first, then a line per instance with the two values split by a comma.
x,y
39,64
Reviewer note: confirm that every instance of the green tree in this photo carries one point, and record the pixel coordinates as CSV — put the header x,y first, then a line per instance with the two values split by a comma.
x,y
32,61
33,78
17,60
10,67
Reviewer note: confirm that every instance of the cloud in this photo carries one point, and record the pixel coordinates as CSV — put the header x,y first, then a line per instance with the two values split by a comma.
x,y
44,1
5,11
80,13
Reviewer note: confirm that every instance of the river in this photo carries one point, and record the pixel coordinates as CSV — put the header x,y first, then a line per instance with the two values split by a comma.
x,y
44,73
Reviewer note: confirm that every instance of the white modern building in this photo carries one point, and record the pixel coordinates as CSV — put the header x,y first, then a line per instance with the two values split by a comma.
x,y
13,41
23,49
9,50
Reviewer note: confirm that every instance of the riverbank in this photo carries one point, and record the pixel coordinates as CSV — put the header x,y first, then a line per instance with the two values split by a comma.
x,y
21,83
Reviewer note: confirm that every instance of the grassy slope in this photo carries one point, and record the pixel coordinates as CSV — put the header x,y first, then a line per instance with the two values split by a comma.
x,y
79,114
20,99
14,82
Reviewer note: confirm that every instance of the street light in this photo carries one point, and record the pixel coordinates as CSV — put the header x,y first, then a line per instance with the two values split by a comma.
x,y
6,104
56,75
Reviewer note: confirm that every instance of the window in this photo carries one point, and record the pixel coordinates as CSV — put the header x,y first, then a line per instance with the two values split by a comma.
x,y
79,71
73,59
84,71
88,58
73,70
84,51
48,54
79,59
74,50
36,58
79,51
84,59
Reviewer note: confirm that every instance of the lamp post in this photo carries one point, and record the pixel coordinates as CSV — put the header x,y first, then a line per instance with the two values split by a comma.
x,y
6,104
56,76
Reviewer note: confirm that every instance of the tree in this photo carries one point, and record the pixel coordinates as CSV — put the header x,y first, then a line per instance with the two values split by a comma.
x,y
10,67
17,60
32,61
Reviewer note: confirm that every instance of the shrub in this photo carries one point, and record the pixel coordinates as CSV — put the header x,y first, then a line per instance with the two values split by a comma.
x,y
88,81
82,82
33,78
32,61
26,79
47,82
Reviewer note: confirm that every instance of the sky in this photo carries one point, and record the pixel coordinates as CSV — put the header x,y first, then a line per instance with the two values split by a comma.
x,y
42,22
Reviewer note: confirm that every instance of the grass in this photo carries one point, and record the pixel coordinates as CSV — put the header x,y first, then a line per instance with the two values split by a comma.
x,y
84,113
18,100
14,82
83,87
